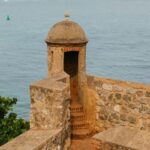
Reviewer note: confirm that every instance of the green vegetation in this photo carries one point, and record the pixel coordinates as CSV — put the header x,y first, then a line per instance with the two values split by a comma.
x,y
10,125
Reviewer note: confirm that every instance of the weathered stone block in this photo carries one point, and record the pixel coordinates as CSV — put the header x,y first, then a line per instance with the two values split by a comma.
x,y
127,98
143,108
139,93
98,83
147,94
115,116
130,90
118,95
97,88
110,97
132,105
117,101
107,87
117,108
103,117
132,119
144,100
117,88
90,80
123,117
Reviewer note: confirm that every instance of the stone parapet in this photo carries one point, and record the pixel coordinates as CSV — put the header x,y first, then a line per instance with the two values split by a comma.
x,y
123,138
121,103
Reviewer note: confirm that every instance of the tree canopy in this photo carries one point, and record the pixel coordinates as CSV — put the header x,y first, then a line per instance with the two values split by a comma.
x,y
10,125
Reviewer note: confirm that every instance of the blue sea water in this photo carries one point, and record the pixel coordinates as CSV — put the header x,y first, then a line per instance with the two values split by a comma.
x,y
118,32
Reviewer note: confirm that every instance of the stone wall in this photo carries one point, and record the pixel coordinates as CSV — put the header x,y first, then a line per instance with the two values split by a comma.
x,y
49,105
120,103
36,140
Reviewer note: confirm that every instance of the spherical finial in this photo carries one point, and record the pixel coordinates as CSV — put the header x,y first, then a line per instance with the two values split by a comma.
x,y
67,15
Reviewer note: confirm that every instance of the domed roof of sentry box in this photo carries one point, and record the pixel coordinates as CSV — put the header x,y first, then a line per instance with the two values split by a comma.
x,y
66,32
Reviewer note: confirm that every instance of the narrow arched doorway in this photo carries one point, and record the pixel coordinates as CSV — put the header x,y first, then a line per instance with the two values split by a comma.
x,y
71,68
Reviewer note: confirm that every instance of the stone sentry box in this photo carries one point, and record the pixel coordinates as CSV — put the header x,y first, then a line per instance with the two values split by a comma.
x,y
66,42
66,37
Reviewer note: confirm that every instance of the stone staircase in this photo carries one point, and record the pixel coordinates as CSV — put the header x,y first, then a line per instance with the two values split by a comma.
x,y
79,127
80,132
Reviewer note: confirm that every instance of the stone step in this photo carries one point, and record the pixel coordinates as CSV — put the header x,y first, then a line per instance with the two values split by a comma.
x,y
78,125
77,116
76,108
82,144
76,122
80,133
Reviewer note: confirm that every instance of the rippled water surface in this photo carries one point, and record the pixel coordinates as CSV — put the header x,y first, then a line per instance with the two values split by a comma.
x,y
118,32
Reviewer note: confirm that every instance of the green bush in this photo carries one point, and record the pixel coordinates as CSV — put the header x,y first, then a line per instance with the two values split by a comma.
x,y
10,125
